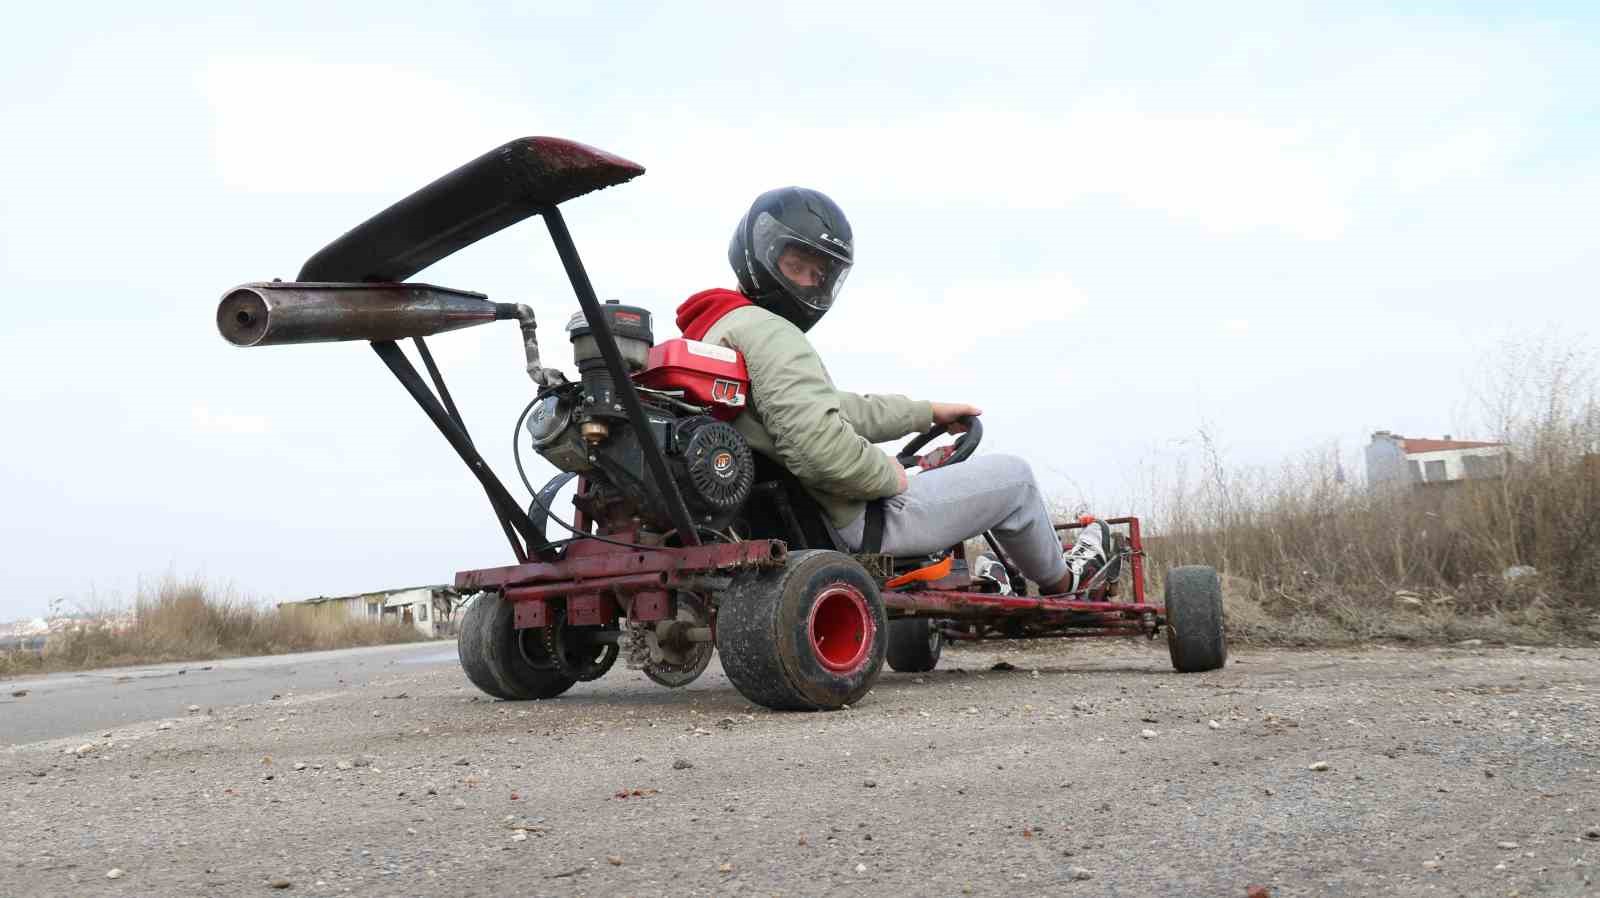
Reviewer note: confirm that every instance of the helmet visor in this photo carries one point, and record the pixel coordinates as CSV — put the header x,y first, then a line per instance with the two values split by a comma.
x,y
809,269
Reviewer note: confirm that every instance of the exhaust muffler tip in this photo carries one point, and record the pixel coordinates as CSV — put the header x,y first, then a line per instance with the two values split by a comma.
x,y
242,316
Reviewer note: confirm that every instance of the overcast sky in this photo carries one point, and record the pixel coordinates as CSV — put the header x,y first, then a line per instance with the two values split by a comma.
x,y
1107,226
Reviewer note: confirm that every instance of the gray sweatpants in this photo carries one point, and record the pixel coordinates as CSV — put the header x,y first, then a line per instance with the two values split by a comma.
x,y
944,506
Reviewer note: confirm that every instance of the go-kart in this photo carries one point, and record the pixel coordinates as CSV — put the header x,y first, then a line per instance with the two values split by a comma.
x,y
683,541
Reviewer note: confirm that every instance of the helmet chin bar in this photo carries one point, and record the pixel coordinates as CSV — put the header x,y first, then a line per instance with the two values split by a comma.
x,y
790,309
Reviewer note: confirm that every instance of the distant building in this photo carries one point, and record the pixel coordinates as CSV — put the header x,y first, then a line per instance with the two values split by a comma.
x,y
1394,459
430,609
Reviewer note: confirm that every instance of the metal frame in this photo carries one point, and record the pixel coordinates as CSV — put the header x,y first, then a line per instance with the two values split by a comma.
x,y
599,581
441,409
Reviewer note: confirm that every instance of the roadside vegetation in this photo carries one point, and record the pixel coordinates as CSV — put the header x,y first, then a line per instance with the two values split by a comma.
x,y
1310,555
191,619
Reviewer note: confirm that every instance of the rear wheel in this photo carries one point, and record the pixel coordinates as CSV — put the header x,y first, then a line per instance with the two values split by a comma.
x,y
915,644
808,636
1195,637
503,661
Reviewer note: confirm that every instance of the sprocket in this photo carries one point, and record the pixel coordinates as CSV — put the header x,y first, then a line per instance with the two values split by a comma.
x,y
675,660
575,656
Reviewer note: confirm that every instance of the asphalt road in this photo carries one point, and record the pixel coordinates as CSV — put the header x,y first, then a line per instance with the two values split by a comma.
x,y
62,704
1464,771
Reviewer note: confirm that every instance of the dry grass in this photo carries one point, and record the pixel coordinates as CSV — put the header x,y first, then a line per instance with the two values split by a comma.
x,y
1313,557
190,619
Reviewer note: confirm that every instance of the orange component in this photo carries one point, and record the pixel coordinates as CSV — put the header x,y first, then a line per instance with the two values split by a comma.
x,y
936,571
1086,519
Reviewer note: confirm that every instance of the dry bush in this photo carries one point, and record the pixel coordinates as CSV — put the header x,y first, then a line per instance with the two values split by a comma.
x,y
191,619
1313,556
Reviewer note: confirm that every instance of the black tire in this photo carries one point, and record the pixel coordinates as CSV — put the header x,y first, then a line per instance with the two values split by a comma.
x,y
808,636
469,646
503,661
915,644
1195,637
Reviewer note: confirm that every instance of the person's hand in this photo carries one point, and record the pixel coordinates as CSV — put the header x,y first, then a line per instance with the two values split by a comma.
x,y
948,415
902,482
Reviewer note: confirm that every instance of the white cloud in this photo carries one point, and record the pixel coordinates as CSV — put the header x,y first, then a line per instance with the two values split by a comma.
x,y
293,125
1228,174
202,420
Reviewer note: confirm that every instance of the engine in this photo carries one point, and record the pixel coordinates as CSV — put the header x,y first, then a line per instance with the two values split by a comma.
x,y
690,391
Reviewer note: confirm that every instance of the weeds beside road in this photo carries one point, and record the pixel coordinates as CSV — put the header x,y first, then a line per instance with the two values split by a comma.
x,y
1311,554
192,620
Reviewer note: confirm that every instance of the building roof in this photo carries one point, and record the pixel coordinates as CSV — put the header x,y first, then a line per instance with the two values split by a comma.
x,y
374,595
1412,445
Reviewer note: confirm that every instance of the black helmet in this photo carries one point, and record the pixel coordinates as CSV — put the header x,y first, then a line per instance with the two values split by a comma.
x,y
791,253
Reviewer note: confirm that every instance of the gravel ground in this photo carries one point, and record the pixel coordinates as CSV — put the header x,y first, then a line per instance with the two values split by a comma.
x,y
1086,770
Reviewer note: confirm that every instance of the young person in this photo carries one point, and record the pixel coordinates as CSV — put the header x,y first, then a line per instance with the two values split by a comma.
x,y
791,252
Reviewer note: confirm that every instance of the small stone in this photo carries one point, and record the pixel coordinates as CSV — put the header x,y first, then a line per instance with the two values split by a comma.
x,y
279,884
431,789
519,836
299,765
1148,734
1257,891
194,709
682,764
1507,846
1213,725
1430,865
83,749
861,868
1079,873
1003,665
1592,834
614,860
871,784
1318,766
18,693
463,762
343,765
458,804
114,873
724,868
362,762
164,725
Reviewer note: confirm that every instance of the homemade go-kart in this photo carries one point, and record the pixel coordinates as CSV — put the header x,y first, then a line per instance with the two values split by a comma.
x,y
683,540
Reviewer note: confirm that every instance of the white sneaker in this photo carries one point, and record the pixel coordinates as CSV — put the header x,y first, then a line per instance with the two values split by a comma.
x,y
1088,553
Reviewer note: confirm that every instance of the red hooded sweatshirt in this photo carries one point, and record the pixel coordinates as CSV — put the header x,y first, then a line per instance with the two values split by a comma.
x,y
700,311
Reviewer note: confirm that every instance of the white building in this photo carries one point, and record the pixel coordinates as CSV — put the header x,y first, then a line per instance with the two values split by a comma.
x,y
1394,459
430,609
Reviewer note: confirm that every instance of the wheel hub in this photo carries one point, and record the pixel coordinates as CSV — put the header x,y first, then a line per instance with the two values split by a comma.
x,y
840,627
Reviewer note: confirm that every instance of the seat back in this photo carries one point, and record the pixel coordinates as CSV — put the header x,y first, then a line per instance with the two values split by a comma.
x,y
780,508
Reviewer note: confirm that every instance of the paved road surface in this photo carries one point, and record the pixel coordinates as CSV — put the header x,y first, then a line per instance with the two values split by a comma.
x,y
63,704
1449,772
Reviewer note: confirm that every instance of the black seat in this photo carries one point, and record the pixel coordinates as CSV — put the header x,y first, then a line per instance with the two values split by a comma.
x,y
780,508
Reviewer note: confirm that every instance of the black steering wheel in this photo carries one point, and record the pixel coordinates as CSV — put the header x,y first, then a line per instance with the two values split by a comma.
x,y
960,450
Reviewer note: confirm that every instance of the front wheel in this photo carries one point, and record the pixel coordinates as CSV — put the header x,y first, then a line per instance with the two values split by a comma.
x,y
915,644
503,661
808,636
1195,637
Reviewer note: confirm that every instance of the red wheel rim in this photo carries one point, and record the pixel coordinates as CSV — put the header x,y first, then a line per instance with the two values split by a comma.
x,y
841,628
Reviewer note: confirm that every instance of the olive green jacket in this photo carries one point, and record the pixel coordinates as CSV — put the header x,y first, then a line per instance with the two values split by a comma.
x,y
797,417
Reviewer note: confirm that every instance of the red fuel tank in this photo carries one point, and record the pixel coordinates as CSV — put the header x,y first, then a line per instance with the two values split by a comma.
x,y
707,374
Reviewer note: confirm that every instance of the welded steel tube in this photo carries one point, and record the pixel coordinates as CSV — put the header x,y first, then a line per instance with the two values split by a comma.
x,y
279,312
